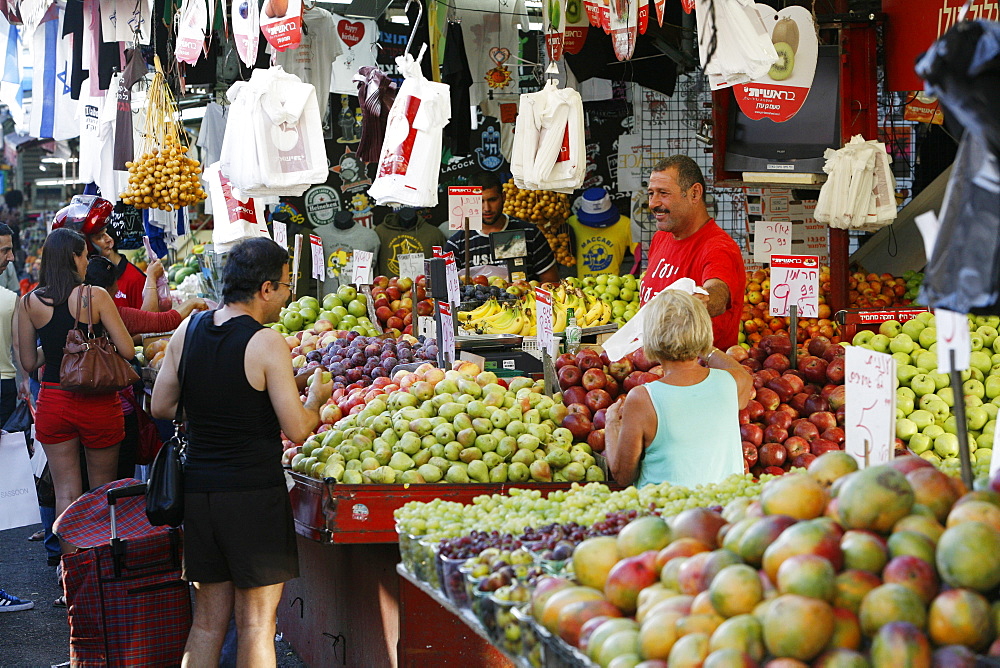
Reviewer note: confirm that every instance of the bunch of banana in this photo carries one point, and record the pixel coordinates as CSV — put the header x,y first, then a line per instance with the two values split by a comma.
x,y
488,308
492,318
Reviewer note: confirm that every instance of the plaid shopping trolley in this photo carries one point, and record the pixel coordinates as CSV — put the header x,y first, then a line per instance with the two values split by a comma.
x,y
127,603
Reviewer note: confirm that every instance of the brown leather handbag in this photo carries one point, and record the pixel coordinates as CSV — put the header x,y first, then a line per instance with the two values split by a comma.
x,y
91,364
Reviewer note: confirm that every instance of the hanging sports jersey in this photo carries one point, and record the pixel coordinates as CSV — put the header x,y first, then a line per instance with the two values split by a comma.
x,y
53,110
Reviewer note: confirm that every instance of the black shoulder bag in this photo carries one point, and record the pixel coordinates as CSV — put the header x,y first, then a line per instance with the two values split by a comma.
x,y
165,490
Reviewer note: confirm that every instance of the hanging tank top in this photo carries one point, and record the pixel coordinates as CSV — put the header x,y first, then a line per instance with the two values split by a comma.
x,y
234,439
697,433
53,337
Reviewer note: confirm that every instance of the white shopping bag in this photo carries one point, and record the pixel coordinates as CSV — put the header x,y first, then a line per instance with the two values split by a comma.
x,y
18,503
629,337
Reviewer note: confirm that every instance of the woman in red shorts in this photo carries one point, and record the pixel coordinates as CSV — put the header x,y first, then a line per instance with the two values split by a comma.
x,y
65,419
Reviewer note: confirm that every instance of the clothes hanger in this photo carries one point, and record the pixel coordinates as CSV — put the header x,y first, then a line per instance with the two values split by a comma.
x,y
416,24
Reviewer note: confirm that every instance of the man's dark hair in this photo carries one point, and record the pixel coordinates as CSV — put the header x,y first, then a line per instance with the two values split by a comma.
x,y
5,230
488,181
249,265
688,171
101,272
13,198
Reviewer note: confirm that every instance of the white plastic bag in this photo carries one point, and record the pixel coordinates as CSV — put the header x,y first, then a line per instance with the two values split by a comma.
x,y
629,337
234,220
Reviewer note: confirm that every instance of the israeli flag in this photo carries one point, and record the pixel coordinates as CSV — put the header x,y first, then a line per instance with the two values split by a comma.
x,y
53,111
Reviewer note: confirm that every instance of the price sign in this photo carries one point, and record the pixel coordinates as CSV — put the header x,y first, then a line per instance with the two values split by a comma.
x,y
465,202
451,275
411,265
543,316
871,406
953,337
296,260
771,237
316,245
795,280
362,267
280,233
426,326
446,340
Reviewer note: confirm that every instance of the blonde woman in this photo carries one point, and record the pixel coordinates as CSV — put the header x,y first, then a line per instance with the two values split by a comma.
x,y
684,428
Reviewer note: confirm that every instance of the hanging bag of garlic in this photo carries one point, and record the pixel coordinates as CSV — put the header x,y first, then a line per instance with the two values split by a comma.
x,y
163,177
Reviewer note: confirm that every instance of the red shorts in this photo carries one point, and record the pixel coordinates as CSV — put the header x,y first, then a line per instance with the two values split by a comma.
x,y
95,418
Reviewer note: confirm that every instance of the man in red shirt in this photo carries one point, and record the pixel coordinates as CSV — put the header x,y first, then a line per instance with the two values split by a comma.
x,y
688,243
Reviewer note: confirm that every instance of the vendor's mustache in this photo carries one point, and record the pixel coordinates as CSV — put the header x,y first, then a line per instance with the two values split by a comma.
x,y
660,210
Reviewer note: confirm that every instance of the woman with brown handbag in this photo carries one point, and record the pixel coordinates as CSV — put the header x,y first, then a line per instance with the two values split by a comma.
x,y
65,419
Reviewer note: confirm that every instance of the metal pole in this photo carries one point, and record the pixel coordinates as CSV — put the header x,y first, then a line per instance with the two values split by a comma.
x,y
468,264
961,424
793,331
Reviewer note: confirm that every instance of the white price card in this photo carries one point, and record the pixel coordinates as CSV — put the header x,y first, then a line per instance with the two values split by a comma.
x,y
543,319
451,276
795,280
362,274
870,399
446,340
296,260
771,237
952,336
316,246
426,326
994,461
465,202
411,265
280,233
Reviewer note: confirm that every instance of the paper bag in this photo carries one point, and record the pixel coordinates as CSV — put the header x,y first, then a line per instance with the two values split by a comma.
x,y
18,503
629,337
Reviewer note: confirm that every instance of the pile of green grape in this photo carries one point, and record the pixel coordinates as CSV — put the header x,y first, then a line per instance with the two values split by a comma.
x,y
583,504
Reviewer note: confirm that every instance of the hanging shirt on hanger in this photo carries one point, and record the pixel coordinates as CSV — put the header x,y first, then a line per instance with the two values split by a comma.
x,y
355,40
213,129
312,60
455,72
135,70
96,148
376,93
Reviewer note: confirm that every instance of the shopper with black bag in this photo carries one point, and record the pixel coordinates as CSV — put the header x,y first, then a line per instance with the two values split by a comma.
x,y
237,395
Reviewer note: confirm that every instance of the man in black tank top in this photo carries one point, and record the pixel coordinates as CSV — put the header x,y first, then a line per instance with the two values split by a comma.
x,y
238,395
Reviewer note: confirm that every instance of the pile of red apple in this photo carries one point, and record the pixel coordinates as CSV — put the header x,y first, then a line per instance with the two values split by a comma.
x,y
797,413
590,383
394,298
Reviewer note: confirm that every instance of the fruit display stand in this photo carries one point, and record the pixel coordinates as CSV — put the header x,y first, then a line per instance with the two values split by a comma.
x,y
851,320
346,608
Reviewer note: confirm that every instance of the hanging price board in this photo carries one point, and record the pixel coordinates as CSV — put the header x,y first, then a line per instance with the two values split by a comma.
x,y
771,238
316,245
296,260
411,265
362,274
795,280
870,395
451,275
543,316
952,337
465,202
446,340
280,233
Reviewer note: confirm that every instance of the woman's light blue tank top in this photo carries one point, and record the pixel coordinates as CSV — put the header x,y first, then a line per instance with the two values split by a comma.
x,y
697,433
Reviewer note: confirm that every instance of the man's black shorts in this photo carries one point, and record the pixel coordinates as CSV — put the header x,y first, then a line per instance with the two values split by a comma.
x,y
246,537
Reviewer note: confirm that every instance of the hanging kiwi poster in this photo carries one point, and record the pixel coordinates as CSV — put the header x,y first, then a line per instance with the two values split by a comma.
x,y
781,92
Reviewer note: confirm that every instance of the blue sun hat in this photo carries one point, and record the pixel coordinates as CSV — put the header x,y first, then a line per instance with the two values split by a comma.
x,y
596,209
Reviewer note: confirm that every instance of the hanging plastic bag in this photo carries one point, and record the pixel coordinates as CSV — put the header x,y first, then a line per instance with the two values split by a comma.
x,y
629,337
234,220
246,30
289,130
963,275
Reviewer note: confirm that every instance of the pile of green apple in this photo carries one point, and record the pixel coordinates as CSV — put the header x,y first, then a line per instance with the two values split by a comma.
x,y
456,426
345,310
925,398
622,292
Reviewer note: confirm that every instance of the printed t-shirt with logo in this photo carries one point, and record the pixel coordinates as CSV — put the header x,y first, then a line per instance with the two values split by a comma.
x,y
540,258
397,239
312,60
600,250
354,40
708,253
338,248
130,285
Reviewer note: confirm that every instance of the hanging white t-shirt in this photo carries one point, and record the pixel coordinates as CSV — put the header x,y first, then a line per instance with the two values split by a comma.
x,y
96,147
355,40
312,60
410,160
107,179
213,129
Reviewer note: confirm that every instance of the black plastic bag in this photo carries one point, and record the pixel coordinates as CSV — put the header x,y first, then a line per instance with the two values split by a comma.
x,y
964,273
19,420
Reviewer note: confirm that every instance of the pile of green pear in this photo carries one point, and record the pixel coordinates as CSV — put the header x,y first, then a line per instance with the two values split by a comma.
x,y
455,430
924,397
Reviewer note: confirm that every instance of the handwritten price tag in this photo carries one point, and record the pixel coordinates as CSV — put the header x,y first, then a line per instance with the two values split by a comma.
x,y
465,202
316,244
771,238
411,265
280,233
446,340
953,336
795,280
543,315
296,261
362,274
451,275
871,406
